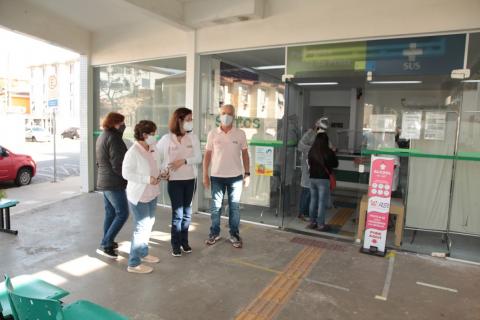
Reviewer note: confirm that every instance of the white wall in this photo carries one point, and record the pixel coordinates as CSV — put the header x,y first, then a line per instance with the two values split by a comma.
x,y
300,21
148,40
26,18
330,98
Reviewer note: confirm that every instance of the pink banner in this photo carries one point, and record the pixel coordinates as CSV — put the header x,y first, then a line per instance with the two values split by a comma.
x,y
379,195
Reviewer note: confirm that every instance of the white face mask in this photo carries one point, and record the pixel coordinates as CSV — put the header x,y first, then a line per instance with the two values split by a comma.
x,y
188,126
226,119
150,140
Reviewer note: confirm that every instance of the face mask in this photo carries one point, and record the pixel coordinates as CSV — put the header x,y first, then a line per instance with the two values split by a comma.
x,y
122,128
188,126
226,119
150,140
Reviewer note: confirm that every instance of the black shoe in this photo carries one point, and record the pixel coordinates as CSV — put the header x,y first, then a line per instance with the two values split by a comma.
x,y
186,248
108,252
176,252
311,225
324,228
114,245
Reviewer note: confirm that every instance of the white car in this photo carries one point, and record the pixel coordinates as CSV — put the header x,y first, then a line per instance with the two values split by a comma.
x,y
38,134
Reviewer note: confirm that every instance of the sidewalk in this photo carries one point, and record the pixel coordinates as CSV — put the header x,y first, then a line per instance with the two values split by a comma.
x,y
38,196
276,276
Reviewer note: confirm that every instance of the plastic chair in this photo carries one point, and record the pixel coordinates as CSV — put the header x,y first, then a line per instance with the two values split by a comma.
x,y
26,308
31,286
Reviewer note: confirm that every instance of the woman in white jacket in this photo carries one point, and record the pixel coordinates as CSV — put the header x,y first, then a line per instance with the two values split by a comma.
x,y
180,154
141,169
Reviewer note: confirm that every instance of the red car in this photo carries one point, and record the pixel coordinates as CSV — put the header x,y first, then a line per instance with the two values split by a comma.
x,y
17,167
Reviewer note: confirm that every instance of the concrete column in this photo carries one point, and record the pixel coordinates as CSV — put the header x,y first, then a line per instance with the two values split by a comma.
x,y
87,160
192,94
353,120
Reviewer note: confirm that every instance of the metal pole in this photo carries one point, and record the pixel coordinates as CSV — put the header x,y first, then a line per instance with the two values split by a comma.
x,y
54,147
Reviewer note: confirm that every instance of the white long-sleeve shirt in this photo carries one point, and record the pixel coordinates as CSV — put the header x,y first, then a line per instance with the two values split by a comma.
x,y
136,170
170,149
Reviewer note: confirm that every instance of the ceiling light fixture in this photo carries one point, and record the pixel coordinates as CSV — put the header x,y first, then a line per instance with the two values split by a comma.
x,y
396,82
471,81
275,67
334,83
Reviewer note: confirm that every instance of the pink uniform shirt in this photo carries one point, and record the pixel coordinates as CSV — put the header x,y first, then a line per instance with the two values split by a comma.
x,y
226,152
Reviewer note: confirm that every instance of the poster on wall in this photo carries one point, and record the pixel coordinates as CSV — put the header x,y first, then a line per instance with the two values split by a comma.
x,y
243,102
411,125
435,125
379,196
264,161
279,105
383,122
262,103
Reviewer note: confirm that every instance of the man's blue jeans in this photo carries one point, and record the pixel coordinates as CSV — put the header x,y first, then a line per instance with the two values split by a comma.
x,y
233,186
305,202
319,193
144,217
181,194
116,214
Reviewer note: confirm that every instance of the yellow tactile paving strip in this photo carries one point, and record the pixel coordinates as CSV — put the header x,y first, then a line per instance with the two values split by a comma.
x,y
277,293
341,217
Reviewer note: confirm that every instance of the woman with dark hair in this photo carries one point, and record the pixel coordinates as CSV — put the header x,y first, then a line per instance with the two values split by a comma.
x,y
180,154
110,151
321,160
141,168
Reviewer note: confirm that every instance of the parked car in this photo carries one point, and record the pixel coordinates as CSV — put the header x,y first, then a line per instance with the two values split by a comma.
x,y
16,167
72,133
38,134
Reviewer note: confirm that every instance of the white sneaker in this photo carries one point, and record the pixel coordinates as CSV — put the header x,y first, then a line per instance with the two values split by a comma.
x,y
141,268
151,259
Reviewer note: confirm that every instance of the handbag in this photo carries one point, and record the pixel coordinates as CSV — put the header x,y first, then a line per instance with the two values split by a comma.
x,y
331,177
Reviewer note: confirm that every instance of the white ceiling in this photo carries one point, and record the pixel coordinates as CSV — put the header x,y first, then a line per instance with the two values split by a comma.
x,y
94,15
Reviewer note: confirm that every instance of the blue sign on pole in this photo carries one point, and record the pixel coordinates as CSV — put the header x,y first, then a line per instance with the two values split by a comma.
x,y
53,103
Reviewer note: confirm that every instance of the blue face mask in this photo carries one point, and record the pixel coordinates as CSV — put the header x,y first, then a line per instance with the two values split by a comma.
x,y
226,119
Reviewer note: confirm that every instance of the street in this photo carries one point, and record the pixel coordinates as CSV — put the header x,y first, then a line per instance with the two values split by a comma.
x,y
68,160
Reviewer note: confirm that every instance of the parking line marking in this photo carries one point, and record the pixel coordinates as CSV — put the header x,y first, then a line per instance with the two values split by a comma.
x,y
388,277
326,284
436,287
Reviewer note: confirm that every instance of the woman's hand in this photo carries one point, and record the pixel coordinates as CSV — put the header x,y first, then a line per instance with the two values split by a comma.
x,y
154,180
176,164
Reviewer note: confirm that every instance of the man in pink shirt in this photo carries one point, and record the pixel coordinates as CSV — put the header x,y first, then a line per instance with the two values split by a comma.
x,y
227,151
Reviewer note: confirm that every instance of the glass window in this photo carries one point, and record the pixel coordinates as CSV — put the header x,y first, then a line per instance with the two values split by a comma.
x,y
149,90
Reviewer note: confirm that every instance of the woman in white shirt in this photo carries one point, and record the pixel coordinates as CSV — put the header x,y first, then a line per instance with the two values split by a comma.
x,y
180,154
141,169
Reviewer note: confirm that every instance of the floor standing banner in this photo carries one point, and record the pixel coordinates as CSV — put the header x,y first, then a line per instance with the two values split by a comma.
x,y
379,195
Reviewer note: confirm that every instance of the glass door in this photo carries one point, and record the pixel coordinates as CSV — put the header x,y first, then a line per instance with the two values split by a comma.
x,y
259,101
290,160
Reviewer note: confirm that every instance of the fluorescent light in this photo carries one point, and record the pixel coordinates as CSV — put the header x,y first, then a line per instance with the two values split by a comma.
x,y
395,82
318,83
269,67
471,81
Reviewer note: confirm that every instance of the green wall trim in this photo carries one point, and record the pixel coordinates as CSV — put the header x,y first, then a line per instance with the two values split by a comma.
x,y
465,156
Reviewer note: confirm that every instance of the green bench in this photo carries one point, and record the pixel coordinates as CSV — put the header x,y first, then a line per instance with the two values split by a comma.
x,y
31,286
27,306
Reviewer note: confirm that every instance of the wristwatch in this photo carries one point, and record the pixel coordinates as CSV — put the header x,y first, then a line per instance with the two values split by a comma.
x,y
247,174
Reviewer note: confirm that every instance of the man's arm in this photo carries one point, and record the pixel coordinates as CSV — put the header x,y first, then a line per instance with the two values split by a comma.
x,y
246,167
206,164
